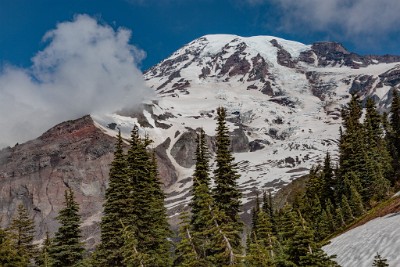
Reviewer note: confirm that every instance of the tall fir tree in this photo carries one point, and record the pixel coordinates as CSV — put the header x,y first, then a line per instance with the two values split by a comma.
x,y
66,248
9,256
200,177
393,134
351,146
262,245
22,230
150,219
226,192
187,252
118,207
43,259
328,180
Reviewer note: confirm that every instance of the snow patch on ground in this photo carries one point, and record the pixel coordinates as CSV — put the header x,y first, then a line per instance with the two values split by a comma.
x,y
358,246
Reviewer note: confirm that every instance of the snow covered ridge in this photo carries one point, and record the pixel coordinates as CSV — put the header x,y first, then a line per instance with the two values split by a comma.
x,y
283,100
358,246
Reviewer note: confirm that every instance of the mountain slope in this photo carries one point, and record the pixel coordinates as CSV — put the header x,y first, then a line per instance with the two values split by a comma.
x,y
283,100
359,245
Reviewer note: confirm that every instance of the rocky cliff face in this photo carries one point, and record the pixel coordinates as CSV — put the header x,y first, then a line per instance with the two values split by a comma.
x,y
74,154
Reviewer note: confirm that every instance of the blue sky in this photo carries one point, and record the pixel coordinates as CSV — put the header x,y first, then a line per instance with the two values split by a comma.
x,y
159,27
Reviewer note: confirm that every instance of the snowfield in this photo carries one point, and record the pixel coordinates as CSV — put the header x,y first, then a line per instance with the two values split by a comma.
x,y
292,111
358,247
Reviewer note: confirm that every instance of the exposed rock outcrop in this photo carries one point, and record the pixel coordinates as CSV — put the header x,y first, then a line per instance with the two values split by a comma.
x,y
74,154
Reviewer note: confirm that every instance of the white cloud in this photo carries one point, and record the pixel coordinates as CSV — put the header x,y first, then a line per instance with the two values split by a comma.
x,y
86,68
350,17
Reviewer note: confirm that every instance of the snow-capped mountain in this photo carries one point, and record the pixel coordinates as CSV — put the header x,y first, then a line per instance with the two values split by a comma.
x,y
283,99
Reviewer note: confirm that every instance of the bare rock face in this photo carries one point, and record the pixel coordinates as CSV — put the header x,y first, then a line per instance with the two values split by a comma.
x,y
391,77
284,58
74,154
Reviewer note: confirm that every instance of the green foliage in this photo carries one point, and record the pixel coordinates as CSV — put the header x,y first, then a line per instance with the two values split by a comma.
x,y
22,231
66,248
226,192
9,256
187,254
261,248
131,256
201,184
134,199
43,259
118,206
346,210
149,218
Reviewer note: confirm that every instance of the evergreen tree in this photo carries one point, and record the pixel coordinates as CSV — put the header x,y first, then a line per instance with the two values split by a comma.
x,y
261,248
379,261
66,249
393,134
43,260
226,192
129,252
351,144
22,230
118,206
346,210
356,203
149,214
187,254
328,180
200,177
9,256
223,249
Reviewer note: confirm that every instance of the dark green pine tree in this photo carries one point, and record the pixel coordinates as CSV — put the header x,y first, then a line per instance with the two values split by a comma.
x,y
254,218
379,261
149,214
301,248
223,249
261,249
131,256
201,176
226,193
351,144
66,248
394,132
118,207
268,208
346,210
22,230
187,253
355,202
377,153
328,180
43,259
9,256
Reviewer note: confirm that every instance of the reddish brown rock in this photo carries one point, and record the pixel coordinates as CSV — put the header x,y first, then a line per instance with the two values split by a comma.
x,y
73,154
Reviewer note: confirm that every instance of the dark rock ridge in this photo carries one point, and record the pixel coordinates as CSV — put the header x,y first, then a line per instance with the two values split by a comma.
x,y
335,54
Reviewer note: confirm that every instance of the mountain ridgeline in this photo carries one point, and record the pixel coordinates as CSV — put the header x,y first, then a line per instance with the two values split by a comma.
x,y
285,103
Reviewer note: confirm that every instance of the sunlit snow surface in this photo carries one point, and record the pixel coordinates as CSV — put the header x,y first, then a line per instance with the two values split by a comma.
x,y
307,128
357,247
